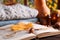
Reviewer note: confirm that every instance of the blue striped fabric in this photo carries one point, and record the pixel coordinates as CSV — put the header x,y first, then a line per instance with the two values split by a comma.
x,y
2,23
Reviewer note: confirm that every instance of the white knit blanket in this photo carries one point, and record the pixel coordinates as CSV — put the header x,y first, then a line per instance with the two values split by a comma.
x,y
16,11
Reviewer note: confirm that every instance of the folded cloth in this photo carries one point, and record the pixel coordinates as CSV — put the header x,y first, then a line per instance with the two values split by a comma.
x,y
16,11
2,23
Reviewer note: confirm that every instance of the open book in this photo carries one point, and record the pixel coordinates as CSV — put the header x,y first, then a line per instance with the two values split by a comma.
x,y
24,35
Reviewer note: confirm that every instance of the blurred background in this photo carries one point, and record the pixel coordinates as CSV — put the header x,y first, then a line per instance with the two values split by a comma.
x,y
30,3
